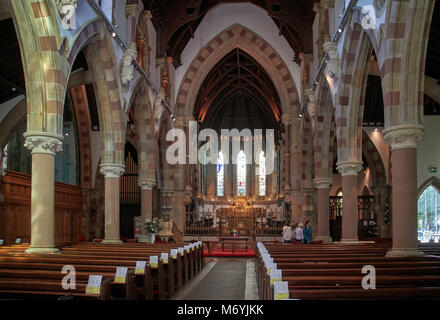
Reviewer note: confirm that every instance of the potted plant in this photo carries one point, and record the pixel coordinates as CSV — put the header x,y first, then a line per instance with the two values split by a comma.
x,y
153,226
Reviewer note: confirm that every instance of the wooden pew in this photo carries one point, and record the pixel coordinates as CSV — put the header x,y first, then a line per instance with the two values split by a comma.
x,y
335,272
95,257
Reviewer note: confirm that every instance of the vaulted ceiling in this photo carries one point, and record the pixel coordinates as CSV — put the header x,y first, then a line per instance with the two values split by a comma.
x,y
177,20
238,93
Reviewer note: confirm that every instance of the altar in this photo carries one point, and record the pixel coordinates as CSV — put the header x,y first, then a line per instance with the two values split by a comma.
x,y
237,218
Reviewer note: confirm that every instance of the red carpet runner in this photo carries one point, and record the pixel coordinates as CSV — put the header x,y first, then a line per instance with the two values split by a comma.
x,y
218,252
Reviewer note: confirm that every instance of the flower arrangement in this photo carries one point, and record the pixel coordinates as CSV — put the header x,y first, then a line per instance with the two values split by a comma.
x,y
153,225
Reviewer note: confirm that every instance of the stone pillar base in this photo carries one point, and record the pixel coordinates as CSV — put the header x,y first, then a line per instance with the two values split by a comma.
x,y
42,251
111,241
324,239
409,252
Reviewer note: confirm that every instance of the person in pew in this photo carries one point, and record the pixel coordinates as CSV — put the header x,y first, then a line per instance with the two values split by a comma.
x,y
308,232
298,234
287,233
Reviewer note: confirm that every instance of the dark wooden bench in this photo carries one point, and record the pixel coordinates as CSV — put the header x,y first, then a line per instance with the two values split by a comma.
x,y
93,258
334,272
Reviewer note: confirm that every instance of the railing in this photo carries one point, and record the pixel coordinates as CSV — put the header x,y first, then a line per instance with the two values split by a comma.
x,y
178,234
199,229
269,231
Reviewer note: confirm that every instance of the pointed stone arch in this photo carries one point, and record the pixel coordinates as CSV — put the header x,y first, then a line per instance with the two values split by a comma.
x,y
237,36
106,82
144,123
374,160
432,181
323,141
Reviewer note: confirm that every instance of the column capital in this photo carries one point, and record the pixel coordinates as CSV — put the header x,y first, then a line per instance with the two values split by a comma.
x,y
405,136
112,170
349,168
147,184
148,14
325,4
43,142
131,9
322,183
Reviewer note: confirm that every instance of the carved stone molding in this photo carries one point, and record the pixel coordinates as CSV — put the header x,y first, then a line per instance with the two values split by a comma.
x,y
332,68
322,183
147,184
148,14
127,67
131,9
325,4
311,105
405,136
42,142
62,5
112,170
349,168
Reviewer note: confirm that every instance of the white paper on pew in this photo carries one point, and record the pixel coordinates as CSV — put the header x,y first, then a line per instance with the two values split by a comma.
x,y
140,267
94,281
94,284
180,250
154,261
275,275
268,261
121,274
187,248
164,257
2,242
270,266
173,253
18,240
281,290
265,256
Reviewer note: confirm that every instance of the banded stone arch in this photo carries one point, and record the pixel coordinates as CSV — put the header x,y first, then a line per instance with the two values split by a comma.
x,y
237,36
106,82
323,141
306,152
144,123
351,93
400,45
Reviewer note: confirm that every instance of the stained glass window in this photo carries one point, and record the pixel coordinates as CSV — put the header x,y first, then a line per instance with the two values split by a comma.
x,y
5,157
241,174
428,209
220,175
262,175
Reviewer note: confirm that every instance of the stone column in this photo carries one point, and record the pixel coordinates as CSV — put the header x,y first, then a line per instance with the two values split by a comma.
x,y
380,195
403,140
112,174
287,186
146,204
323,187
2,173
349,172
43,147
307,207
166,204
